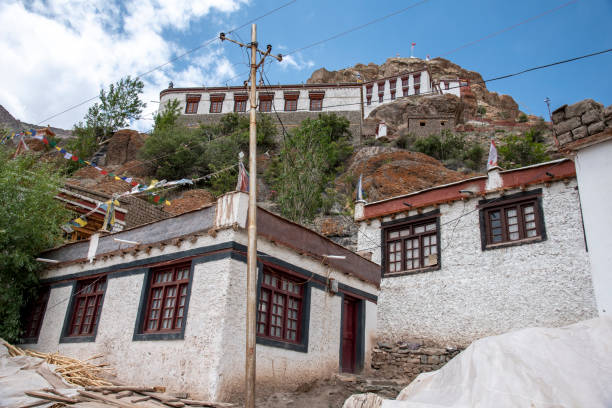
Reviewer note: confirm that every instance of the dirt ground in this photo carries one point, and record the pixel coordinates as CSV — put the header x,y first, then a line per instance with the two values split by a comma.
x,y
329,393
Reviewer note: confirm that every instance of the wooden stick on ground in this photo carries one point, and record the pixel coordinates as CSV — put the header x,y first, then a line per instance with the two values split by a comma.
x,y
51,397
108,400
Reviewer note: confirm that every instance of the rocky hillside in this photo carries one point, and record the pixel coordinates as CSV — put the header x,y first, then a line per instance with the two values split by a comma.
x,y
497,106
7,120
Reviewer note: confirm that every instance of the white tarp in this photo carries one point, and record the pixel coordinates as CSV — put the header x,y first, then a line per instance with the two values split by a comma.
x,y
23,373
536,368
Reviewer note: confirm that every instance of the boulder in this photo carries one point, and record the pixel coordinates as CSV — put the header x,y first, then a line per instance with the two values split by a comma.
x,y
123,146
592,116
558,114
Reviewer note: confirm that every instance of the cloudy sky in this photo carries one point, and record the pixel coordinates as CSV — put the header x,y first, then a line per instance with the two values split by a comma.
x,y
58,53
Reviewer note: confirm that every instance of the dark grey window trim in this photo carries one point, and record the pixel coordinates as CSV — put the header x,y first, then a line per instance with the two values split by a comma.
x,y
517,197
360,343
409,220
233,249
139,334
64,336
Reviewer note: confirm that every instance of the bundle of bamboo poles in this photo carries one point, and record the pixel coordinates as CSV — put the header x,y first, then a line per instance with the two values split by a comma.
x,y
77,372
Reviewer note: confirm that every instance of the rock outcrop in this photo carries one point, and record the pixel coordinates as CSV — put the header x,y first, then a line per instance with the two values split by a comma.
x,y
389,172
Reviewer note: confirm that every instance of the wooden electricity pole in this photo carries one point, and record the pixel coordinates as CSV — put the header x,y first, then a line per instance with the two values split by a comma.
x,y
251,304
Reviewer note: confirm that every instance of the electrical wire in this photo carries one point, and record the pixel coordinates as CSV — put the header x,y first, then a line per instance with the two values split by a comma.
x,y
511,27
206,43
359,27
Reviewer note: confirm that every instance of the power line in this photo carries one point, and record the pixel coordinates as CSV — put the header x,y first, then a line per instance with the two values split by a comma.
x,y
206,43
511,27
482,81
359,27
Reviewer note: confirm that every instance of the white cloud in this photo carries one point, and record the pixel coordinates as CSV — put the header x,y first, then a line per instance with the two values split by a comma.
x,y
296,62
57,53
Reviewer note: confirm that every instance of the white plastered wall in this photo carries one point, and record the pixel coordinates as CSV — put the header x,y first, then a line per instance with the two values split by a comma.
x,y
480,293
181,365
594,168
342,98
210,359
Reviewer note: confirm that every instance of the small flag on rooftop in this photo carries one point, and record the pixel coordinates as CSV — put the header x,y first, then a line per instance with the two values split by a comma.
x,y
360,189
243,178
492,161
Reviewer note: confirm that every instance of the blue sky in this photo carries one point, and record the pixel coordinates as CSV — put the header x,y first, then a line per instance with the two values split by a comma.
x,y
73,47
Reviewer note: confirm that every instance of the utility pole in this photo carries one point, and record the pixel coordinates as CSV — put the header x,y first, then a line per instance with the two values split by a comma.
x,y
552,128
251,304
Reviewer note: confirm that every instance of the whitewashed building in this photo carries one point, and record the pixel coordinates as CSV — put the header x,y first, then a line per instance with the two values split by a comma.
x,y
170,310
291,104
385,90
584,130
480,256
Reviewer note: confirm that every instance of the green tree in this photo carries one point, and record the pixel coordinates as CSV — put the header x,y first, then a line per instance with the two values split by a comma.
x,y
116,108
84,144
307,162
177,151
30,220
167,117
522,150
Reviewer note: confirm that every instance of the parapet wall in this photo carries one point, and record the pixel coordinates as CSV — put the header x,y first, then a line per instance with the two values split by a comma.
x,y
582,119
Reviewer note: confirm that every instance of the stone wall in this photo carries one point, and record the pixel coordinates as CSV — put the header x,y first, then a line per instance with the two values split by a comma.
x,y
582,119
423,127
290,120
408,358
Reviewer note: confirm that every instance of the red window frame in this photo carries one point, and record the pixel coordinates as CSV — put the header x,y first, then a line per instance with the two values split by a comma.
x,y
408,246
216,103
417,89
240,105
265,105
381,91
280,306
405,86
167,299
191,104
417,79
192,107
35,312
392,85
316,101
87,306
513,222
291,101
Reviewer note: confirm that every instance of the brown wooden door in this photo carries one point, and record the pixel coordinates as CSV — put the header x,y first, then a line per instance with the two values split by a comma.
x,y
349,335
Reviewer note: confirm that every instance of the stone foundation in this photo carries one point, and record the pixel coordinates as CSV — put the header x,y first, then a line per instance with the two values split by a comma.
x,y
405,360
582,119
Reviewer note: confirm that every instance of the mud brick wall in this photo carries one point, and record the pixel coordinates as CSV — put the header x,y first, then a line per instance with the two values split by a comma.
x,y
407,359
582,119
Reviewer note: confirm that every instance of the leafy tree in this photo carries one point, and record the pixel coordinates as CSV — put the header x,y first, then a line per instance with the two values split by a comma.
x,y
116,108
30,220
84,144
307,162
186,152
522,150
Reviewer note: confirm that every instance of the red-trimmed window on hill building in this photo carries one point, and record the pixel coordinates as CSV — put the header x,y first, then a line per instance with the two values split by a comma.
x,y
191,104
316,100
369,93
381,91
216,103
291,101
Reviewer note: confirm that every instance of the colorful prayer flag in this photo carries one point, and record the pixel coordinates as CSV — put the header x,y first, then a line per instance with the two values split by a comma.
x,y
243,179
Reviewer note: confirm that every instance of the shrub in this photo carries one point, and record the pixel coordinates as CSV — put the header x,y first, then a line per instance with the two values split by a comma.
x,y
522,118
448,146
522,150
308,161
481,110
